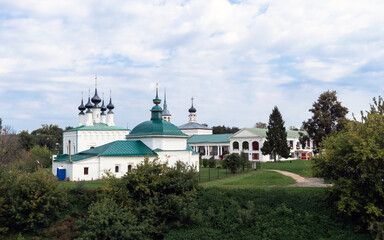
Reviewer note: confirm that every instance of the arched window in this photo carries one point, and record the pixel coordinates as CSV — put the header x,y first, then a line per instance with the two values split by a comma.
x,y
129,168
235,145
245,145
116,169
255,145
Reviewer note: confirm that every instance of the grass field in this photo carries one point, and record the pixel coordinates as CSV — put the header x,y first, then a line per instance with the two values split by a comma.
x,y
300,167
207,174
252,179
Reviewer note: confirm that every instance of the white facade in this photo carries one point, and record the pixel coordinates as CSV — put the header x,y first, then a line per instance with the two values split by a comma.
x,y
82,140
250,142
209,150
196,131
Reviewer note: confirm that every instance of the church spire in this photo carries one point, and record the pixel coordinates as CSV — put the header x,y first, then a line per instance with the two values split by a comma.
x,y
192,113
156,110
166,114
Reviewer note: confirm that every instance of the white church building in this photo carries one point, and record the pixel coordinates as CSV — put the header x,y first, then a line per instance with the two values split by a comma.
x,y
95,128
155,138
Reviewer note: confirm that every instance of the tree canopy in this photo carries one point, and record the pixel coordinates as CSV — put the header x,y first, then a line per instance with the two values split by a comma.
x,y
223,129
328,117
261,125
354,160
276,140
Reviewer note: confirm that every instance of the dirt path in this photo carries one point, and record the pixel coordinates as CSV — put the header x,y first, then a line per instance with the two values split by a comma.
x,y
302,181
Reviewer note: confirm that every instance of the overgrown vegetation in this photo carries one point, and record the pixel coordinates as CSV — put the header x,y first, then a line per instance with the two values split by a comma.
x,y
354,160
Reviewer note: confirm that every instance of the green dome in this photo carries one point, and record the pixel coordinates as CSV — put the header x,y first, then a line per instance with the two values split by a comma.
x,y
155,127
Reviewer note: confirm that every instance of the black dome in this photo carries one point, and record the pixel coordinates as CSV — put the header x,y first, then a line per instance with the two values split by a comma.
x,y
96,99
81,107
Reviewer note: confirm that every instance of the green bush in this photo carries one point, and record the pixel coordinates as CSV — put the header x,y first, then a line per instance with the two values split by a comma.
x,y
232,161
31,201
205,162
41,155
160,197
107,220
212,163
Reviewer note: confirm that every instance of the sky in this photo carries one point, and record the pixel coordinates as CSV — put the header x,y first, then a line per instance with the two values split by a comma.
x,y
237,59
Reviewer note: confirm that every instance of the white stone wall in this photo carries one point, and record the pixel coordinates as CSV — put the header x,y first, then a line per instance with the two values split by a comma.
x,y
84,140
190,132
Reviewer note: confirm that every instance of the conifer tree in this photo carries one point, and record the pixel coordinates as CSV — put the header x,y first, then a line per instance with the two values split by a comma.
x,y
276,142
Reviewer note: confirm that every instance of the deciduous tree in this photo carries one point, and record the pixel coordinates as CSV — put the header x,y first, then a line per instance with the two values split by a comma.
x,y
261,125
354,160
328,117
276,140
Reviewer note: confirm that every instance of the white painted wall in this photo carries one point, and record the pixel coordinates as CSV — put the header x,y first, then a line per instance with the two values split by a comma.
x,y
190,132
84,140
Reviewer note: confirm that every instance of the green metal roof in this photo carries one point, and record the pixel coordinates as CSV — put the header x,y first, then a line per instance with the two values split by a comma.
x,y
209,138
97,127
263,132
155,127
116,148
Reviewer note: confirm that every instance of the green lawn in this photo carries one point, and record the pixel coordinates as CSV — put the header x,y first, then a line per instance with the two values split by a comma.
x,y
207,174
253,179
300,167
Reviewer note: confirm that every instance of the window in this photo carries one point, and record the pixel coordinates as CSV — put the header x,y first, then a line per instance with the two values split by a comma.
x,y
255,156
245,145
116,169
129,168
235,145
86,171
255,145
291,144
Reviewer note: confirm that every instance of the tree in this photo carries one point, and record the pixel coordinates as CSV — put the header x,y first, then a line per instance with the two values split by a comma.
x,y
223,129
31,200
232,161
9,146
328,118
27,140
49,136
276,140
354,160
261,125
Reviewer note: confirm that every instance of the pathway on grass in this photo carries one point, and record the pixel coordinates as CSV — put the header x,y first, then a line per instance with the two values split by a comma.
x,y
302,181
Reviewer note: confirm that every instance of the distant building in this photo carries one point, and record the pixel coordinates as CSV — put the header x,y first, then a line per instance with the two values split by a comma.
x,y
211,145
251,140
193,127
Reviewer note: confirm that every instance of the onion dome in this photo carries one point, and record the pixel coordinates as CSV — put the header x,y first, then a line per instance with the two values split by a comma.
x,y
156,110
110,106
96,99
192,109
81,107
103,108
89,105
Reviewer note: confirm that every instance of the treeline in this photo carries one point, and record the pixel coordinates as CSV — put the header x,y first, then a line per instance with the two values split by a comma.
x,y
29,151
